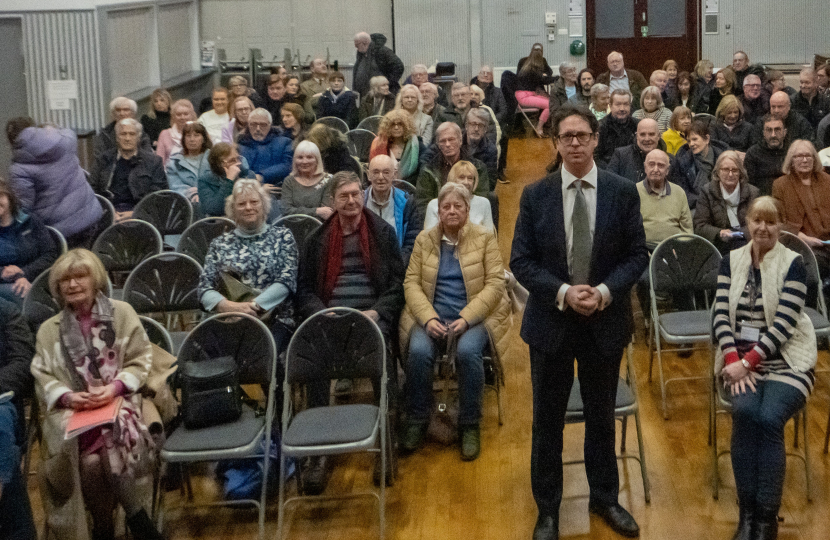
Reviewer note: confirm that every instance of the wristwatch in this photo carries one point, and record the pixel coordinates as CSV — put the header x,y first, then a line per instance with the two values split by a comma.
x,y
746,364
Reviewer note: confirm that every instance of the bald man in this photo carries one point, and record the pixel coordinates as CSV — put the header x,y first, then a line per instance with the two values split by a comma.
x,y
629,161
796,125
808,102
373,59
618,76
392,204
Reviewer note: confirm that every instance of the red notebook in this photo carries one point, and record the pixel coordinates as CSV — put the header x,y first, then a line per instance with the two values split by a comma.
x,y
83,421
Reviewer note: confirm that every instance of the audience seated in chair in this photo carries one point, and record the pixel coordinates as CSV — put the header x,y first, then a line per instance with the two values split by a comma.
x,y
586,80
267,152
600,100
764,161
216,119
720,215
432,108
17,346
565,87
410,100
352,260
629,161
47,177
26,248
420,76
796,125
127,173
379,100
454,290
216,185
305,190
616,130
731,127
460,104
185,169
317,84
337,101
107,466
334,149
392,204
493,96
696,159
158,117
676,136
242,107
397,138
170,140
480,212
533,74
294,125
808,102
272,98
120,108
755,99
651,100
618,76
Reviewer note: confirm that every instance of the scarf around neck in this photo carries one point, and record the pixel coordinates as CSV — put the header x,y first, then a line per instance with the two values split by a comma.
x,y
334,252
92,360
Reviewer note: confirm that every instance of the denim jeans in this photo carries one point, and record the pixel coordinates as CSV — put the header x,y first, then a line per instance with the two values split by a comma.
x,y
16,521
759,459
470,365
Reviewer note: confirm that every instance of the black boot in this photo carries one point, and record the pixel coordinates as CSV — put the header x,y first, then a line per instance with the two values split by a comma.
x,y
745,521
766,523
142,527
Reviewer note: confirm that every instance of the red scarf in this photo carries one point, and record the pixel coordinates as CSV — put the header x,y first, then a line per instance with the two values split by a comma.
x,y
334,252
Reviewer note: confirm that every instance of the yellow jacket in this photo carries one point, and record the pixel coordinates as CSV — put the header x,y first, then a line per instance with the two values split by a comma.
x,y
674,140
481,266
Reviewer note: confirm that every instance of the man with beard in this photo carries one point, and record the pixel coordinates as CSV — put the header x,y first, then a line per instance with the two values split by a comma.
x,y
763,161
583,94
616,130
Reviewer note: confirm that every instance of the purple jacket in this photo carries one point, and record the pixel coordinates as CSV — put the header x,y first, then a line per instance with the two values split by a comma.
x,y
47,176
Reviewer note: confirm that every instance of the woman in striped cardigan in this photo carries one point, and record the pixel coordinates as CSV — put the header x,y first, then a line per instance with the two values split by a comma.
x,y
766,358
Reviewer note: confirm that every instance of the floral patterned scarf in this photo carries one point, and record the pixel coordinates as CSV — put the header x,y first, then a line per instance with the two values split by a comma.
x,y
94,361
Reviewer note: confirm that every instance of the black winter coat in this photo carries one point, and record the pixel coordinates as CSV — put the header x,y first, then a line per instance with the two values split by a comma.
x,y
146,174
612,135
17,347
34,249
688,168
739,138
711,216
763,165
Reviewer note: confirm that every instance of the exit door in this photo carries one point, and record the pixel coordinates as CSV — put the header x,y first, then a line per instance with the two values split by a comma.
x,y
646,32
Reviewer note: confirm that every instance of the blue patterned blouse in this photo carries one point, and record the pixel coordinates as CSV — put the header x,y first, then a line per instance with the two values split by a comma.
x,y
259,261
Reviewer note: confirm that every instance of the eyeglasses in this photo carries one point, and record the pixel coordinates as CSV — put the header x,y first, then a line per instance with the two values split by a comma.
x,y
752,86
568,138
803,156
730,172
396,124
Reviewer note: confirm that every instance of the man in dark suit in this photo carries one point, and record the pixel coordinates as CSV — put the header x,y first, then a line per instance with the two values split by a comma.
x,y
579,247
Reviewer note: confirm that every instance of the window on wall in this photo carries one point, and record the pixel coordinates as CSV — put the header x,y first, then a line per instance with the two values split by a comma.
x,y
131,49
175,44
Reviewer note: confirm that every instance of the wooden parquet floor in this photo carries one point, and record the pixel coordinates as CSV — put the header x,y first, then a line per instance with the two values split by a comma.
x,y
439,497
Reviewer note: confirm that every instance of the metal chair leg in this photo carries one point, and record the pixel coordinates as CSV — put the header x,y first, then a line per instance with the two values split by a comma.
x,y
660,371
806,455
643,468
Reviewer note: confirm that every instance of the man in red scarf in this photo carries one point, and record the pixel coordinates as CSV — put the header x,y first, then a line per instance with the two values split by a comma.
x,y
353,260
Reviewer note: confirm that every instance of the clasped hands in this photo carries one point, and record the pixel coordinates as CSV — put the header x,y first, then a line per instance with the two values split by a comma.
x,y
738,378
583,299
438,330
94,398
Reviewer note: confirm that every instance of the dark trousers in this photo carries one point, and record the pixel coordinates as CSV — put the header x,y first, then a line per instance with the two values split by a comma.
x,y
15,512
759,458
552,377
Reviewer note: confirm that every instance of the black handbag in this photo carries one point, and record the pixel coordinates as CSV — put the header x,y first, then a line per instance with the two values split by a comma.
x,y
211,394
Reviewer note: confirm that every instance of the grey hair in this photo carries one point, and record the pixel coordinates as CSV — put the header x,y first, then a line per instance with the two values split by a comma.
x,y
431,87
121,101
244,186
259,112
808,71
598,89
452,126
376,81
419,68
362,36
622,92
129,122
459,84
566,66
654,92
479,113
451,188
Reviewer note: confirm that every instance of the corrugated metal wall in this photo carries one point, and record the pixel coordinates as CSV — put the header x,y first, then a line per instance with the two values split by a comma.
x,y
63,45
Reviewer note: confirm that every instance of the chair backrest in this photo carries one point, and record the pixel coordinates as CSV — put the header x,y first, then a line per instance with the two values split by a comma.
x,y
122,246
157,333
360,143
300,225
240,336
168,211
814,283
196,239
684,262
60,241
371,123
108,218
164,283
335,343
404,186
39,305
334,122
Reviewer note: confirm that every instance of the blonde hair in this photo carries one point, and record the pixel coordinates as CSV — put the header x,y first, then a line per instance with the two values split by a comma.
x,y
728,104
654,92
410,88
307,147
397,115
679,112
765,208
77,260
797,144
461,167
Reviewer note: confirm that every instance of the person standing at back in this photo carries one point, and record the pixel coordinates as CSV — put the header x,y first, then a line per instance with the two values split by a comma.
x,y
579,247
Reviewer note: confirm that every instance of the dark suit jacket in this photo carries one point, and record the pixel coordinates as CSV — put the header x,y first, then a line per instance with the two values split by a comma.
x,y
540,263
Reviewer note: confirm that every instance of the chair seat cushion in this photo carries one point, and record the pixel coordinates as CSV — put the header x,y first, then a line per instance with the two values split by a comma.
x,y
340,424
625,397
686,323
818,320
222,437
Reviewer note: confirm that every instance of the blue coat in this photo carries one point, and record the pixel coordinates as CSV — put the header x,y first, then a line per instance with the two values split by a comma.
x,y
182,175
270,157
47,177
213,189
407,224
27,244
539,260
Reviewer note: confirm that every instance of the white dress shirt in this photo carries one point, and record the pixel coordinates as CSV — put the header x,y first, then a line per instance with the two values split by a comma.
x,y
589,189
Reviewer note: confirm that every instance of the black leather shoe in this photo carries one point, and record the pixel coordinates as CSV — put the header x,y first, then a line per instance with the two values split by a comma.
x,y
315,475
617,518
547,528
745,522
766,524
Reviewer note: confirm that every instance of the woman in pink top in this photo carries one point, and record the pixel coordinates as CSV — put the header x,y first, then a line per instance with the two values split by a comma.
x,y
170,140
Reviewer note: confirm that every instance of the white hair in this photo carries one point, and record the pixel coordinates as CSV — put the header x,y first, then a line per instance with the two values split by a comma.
x,y
261,113
122,101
